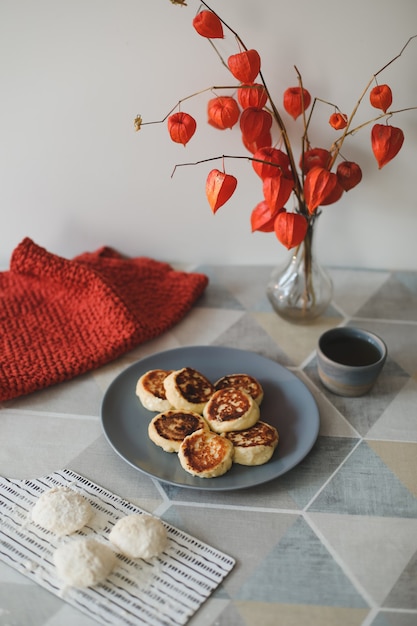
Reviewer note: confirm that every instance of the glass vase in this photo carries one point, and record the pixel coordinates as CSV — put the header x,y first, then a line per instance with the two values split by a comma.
x,y
301,290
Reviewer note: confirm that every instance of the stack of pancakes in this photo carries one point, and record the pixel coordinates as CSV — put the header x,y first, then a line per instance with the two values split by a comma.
x,y
209,425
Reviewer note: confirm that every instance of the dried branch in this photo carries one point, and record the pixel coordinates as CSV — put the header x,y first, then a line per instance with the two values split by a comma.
x,y
225,156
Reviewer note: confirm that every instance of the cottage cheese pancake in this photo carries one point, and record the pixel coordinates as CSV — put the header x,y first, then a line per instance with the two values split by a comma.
x,y
242,381
255,445
151,391
188,389
231,409
168,429
206,454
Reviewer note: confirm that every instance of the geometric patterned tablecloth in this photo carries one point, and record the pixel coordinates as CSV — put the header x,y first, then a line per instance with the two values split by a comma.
x,y
333,541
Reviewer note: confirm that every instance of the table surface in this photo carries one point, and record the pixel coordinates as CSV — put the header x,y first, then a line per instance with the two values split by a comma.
x,y
333,541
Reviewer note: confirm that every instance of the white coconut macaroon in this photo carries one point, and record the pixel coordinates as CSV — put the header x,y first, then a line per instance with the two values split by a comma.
x,y
139,536
84,562
62,511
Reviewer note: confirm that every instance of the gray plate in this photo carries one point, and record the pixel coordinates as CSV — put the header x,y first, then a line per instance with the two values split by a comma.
x,y
288,405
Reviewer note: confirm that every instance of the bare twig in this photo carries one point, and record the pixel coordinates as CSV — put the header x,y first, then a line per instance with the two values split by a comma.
x,y
193,95
271,107
347,130
225,156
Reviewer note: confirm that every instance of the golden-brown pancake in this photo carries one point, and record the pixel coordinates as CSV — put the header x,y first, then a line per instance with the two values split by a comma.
x,y
231,409
167,430
151,391
188,389
255,445
242,381
206,454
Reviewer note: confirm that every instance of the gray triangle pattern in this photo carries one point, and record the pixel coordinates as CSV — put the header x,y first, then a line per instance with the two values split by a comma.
x,y
303,482
394,618
364,485
247,334
400,287
363,412
404,593
299,570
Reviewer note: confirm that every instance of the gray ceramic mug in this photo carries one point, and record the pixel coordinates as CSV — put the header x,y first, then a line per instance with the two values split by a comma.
x,y
349,360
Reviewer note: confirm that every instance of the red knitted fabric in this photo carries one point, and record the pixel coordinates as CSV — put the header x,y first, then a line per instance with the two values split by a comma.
x,y
60,318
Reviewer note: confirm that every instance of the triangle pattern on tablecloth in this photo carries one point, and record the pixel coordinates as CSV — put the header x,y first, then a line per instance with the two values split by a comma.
x,y
364,411
364,485
376,550
300,570
399,287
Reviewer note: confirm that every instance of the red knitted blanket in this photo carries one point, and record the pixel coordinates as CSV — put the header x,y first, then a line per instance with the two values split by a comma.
x,y
60,318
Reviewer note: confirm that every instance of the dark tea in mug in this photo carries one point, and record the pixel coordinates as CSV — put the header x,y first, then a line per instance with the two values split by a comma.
x,y
349,360
352,351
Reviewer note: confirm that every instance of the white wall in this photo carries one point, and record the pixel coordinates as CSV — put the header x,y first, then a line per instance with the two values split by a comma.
x,y
74,175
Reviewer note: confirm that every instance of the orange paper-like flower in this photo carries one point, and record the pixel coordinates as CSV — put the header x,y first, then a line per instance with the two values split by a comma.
x,y
338,121
386,143
252,95
181,127
290,228
349,174
296,100
262,219
245,66
277,190
219,188
315,157
263,141
207,24
269,162
223,112
319,185
381,97
255,123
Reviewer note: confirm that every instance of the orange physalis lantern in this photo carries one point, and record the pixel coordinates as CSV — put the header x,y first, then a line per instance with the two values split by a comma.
x,y
181,127
319,185
381,97
260,142
334,195
338,121
219,188
262,218
223,112
386,143
255,123
290,228
245,66
252,95
207,24
349,174
277,189
269,161
315,157
296,100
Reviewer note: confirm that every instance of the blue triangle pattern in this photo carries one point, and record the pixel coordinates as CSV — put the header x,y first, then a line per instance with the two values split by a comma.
x,y
364,485
304,480
299,570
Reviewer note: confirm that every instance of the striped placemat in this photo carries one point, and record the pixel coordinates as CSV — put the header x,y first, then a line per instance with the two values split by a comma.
x,y
165,590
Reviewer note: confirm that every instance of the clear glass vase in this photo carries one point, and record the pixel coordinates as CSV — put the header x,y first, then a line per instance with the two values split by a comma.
x,y
301,290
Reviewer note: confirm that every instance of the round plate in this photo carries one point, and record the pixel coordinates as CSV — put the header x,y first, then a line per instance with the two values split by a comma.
x,y
288,405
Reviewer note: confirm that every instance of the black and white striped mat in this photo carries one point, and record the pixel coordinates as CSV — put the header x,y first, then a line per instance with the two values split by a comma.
x,y
165,590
